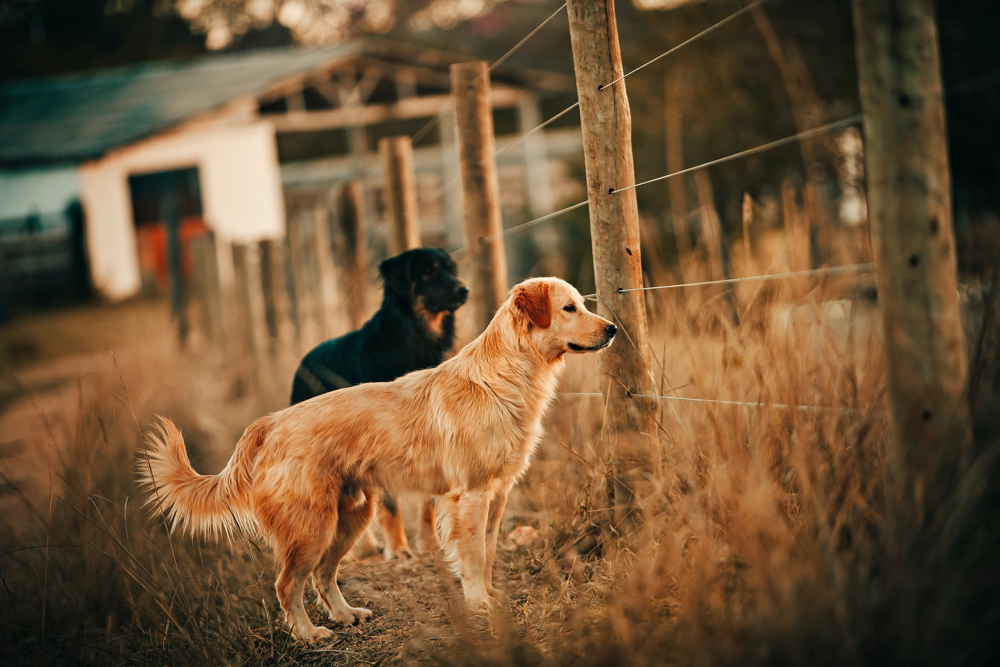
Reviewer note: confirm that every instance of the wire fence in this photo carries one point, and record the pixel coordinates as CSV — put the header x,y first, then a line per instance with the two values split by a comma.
x,y
720,401
804,135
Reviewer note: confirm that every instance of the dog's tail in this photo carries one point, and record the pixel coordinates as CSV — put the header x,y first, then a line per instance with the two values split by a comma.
x,y
209,505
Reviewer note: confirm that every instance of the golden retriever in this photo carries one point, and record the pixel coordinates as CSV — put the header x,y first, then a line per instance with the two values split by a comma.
x,y
306,477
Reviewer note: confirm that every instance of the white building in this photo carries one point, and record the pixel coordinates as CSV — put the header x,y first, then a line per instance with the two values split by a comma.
x,y
207,132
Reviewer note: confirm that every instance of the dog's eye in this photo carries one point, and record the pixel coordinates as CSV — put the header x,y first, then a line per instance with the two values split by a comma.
x,y
570,308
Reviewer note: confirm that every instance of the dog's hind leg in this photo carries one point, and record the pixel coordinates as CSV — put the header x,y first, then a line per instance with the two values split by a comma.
x,y
366,545
355,513
298,556
396,545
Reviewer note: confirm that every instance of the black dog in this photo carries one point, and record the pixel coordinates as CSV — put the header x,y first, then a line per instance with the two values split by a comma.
x,y
414,328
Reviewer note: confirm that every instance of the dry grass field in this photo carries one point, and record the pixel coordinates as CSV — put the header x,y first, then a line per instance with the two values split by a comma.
x,y
768,534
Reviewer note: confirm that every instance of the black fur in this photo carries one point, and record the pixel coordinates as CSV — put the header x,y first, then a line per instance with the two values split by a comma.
x,y
399,338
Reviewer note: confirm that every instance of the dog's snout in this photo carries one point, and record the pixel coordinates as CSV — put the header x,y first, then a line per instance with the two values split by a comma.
x,y
610,330
461,291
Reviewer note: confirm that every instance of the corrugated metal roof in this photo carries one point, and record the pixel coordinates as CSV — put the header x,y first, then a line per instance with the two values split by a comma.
x,y
75,118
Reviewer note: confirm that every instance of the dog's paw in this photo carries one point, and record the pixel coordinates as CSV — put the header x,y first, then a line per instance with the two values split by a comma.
x,y
481,604
312,634
500,597
403,553
349,615
361,613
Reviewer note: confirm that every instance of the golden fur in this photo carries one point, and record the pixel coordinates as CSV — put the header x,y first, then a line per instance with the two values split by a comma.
x,y
306,476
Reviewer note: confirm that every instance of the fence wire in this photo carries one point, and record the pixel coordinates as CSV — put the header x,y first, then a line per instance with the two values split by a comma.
x,y
721,401
684,43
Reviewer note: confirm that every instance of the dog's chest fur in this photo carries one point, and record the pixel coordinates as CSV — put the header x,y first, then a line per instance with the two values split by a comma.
x,y
507,402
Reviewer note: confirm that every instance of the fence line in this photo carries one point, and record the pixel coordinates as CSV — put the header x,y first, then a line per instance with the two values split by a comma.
x,y
844,122
425,130
719,401
429,125
853,268
531,34
537,128
684,43
444,188
807,134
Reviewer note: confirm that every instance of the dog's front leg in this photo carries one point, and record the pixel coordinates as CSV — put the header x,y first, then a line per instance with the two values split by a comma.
x,y
470,530
492,532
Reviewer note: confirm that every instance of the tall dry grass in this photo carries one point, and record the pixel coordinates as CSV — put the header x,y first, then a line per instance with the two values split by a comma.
x,y
767,534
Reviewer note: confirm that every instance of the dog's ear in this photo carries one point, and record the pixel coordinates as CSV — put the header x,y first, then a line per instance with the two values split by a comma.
x,y
395,273
534,302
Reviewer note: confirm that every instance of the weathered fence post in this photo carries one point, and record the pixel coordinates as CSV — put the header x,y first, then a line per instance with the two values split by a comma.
x,y
354,271
909,198
326,271
401,193
483,224
175,264
204,252
250,306
273,277
451,198
307,324
614,229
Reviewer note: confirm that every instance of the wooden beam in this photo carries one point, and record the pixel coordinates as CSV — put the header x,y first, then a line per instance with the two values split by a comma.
x,y
414,107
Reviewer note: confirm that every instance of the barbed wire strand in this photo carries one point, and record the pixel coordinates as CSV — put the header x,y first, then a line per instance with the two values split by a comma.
x,y
531,34
425,130
429,125
447,186
830,270
525,225
829,127
537,128
532,223
844,122
719,401
684,43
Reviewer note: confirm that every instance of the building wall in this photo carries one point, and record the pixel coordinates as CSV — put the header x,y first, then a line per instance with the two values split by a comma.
x,y
240,190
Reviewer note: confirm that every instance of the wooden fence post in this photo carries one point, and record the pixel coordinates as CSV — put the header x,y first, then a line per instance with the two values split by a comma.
x,y
614,230
451,198
401,193
326,271
250,306
273,277
483,224
204,251
354,270
178,290
909,198
307,325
